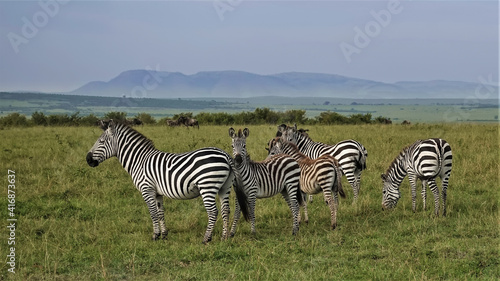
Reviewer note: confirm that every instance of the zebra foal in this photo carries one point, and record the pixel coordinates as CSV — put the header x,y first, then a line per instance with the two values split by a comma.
x,y
350,153
205,172
264,179
316,175
423,160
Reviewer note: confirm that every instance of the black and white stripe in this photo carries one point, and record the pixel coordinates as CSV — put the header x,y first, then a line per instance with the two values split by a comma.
x,y
205,172
350,153
264,179
423,160
322,174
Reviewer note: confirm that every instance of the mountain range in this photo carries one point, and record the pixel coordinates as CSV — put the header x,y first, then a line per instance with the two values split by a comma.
x,y
225,84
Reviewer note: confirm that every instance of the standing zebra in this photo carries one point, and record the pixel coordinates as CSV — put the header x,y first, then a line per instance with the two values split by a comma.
x,y
350,153
424,160
316,175
204,172
264,179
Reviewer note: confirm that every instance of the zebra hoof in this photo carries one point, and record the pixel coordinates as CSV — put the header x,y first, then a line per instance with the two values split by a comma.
x,y
156,236
164,235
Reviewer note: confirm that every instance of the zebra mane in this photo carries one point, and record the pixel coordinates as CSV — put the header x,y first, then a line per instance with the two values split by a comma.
x,y
122,127
397,159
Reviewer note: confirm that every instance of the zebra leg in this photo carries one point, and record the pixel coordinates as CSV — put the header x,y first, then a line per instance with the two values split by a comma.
x,y
208,197
304,205
294,207
161,215
445,187
251,206
236,218
310,197
351,178
435,191
149,196
358,181
424,194
413,182
224,201
333,208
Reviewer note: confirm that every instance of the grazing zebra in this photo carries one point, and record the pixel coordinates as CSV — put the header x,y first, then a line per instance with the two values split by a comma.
x,y
424,160
264,179
316,175
204,172
350,153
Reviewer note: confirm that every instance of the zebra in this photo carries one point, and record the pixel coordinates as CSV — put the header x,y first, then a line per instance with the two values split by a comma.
x,y
350,154
205,172
264,179
424,160
316,175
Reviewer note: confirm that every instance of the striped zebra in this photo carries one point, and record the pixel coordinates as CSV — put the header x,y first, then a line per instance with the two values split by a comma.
x,y
316,175
264,179
204,172
424,160
350,153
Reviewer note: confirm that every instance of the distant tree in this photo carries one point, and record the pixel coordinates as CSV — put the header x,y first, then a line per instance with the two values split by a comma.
x,y
89,120
14,119
145,118
38,118
115,115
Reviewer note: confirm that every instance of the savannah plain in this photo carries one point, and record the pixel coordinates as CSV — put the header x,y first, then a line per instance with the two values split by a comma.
x,y
75,222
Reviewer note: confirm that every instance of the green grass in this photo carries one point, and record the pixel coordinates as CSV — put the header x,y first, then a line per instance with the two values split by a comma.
x,y
82,223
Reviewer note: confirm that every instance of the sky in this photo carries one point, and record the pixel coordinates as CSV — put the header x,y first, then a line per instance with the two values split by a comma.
x,y
58,46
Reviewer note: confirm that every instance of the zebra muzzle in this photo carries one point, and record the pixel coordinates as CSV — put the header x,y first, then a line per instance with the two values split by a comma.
x,y
91,161
238,159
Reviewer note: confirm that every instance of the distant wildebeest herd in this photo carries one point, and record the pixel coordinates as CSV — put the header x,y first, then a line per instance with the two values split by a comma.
x,y
183,120
296,165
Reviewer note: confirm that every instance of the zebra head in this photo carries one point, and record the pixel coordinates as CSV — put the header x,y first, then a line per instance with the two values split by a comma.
x,y
105,146
292,134
390,193
239,144
274,147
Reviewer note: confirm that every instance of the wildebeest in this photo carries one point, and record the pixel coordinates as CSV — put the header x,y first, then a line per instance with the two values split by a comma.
x,y
172,123
129,122
188,121
406,122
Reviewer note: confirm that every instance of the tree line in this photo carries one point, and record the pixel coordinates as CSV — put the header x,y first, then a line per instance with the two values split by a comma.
x,y
258,117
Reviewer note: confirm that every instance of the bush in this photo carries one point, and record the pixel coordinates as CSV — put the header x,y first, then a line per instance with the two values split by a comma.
x,y
14,119
115,115
145,118
38,118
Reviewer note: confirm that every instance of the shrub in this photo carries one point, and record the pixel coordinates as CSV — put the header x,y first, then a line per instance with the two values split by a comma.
x,y
145,118
14,119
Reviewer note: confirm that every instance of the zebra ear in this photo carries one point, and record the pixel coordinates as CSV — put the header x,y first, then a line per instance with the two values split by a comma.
x,y
231,132
281,128
111,125
295,126
383,176
104,124
246,132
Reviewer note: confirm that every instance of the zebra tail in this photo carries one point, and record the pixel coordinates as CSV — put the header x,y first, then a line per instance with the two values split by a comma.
x,y
300,196
338,181
241,196
361,163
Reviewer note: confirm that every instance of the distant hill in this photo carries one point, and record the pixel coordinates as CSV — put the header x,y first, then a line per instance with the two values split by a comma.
x,y
240,84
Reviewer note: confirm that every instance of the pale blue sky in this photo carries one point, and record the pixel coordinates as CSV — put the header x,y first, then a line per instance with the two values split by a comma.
x,y
66,44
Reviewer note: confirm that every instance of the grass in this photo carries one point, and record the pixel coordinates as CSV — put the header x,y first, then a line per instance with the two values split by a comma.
x,y
82,223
